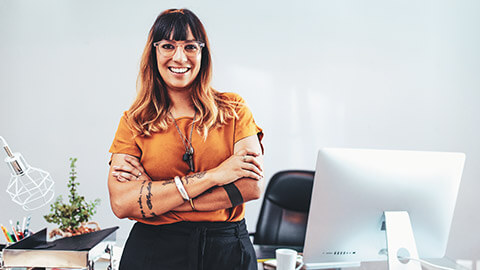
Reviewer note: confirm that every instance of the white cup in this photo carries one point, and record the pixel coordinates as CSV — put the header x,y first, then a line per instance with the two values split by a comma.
x,y
286,258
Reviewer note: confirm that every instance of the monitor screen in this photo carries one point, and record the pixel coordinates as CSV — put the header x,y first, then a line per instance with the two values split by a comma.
x,y
353,188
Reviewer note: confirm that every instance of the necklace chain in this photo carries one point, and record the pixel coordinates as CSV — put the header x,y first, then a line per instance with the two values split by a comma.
x,y
187,142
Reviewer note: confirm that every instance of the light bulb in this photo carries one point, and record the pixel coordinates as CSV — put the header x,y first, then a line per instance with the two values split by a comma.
x,y
29,187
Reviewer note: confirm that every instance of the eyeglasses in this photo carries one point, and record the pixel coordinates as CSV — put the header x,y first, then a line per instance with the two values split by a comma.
x,y
191,48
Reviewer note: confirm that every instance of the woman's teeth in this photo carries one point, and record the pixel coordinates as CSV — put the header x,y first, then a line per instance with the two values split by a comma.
x,y
178,70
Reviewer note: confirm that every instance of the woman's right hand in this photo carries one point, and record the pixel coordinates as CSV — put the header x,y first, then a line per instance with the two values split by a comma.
x,y
131,171
244,163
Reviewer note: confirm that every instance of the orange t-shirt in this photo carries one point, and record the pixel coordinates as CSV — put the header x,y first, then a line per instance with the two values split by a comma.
x,y
161,155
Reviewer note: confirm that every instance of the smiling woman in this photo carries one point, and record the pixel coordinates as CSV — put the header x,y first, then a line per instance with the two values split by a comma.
x,y
179,67
185,189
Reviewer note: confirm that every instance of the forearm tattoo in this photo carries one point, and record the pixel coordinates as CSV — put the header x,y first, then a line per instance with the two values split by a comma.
x,y
189,178
140,200
166,182
149,201
149,195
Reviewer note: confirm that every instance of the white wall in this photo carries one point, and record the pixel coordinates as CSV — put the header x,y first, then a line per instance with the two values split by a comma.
x,y
369,74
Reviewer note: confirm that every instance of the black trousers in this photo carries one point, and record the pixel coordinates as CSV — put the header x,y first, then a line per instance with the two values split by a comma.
x,y
189,246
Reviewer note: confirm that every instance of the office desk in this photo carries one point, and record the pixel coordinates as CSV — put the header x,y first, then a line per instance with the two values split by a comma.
x,y
265,252
384,266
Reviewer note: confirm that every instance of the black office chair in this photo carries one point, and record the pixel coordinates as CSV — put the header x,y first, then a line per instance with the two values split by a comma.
x,y
284,212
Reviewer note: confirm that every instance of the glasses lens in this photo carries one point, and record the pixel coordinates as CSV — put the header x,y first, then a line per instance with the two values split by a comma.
x,y
166,48
191,48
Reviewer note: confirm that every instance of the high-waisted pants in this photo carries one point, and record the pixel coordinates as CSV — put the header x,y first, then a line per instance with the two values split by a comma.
x,y
189,246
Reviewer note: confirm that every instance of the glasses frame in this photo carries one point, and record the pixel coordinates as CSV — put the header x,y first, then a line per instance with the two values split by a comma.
x,y
177,45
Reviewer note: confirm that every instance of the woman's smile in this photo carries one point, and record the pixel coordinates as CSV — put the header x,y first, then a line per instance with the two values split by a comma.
x,y
179,70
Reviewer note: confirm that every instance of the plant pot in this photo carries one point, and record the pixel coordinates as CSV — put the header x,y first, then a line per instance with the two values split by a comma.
x,y
85,227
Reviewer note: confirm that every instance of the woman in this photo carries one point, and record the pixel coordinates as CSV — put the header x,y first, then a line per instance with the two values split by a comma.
x,y
185,158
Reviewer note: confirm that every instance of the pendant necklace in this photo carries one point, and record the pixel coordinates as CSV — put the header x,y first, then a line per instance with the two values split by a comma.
x,y
187,142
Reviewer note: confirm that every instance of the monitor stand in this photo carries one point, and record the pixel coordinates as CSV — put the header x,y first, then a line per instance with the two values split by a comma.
x,y
400,241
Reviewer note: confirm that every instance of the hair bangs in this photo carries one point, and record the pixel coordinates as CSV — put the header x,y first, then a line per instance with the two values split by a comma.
x,y
180,29
175,25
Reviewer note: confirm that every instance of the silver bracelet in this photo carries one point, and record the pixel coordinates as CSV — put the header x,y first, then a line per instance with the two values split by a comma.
x,y
181,188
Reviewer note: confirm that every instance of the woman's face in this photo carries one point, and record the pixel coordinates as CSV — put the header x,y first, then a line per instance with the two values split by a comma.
x,y
179,70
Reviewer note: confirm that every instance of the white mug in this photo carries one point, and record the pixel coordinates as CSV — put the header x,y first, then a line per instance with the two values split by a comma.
x,y
286,259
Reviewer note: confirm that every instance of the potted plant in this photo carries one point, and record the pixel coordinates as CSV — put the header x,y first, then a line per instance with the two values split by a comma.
x,y
72,217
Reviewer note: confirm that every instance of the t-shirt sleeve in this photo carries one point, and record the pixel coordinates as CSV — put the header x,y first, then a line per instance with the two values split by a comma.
x,y
245,125
124,141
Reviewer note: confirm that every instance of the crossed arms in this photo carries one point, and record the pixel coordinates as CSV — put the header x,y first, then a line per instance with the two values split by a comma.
x,y
142,198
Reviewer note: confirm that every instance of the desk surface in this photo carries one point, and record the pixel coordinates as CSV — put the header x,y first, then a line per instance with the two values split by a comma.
x,y
102,265
264,252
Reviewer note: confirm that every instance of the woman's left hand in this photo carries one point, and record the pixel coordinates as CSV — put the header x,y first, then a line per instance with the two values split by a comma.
x,y
132,171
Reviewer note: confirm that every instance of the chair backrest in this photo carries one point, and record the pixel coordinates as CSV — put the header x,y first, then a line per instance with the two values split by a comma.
x,y
284,212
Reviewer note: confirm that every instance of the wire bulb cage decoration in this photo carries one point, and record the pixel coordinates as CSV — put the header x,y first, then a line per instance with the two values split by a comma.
x,y
29,187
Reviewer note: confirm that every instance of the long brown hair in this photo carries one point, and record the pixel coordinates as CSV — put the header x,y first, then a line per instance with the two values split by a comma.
x,y
149,111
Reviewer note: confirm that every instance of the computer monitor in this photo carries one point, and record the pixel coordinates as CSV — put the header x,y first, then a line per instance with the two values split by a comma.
x,y
353,188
